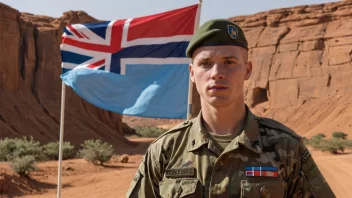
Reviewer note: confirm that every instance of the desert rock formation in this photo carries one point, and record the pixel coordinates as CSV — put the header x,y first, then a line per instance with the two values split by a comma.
x,y
30,84
302,66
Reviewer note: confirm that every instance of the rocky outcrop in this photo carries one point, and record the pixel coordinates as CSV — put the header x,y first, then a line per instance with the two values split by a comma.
x,y
302,66
301,74
30,84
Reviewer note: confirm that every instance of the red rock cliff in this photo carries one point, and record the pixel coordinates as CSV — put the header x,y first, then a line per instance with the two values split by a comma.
x,y
301,74
30,84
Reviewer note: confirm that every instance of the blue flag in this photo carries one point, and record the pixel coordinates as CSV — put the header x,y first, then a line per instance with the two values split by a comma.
x,y
132,66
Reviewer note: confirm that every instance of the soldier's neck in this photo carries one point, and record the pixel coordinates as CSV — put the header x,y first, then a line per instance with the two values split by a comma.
x,y
224,121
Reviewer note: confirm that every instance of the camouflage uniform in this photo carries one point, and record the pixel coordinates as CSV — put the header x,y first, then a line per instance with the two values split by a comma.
x,y
187,162
266,159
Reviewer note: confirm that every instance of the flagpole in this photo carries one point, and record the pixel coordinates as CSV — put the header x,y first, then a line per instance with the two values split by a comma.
x,y
190,83
63,94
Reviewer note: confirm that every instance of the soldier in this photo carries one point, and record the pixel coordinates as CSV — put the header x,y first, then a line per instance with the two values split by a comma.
x,y
226,151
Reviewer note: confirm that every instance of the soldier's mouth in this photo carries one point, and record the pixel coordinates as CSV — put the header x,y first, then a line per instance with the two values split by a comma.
x,y
217,87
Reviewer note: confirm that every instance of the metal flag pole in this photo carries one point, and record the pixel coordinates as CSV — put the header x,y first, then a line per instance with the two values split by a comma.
x,y
63,93
190,83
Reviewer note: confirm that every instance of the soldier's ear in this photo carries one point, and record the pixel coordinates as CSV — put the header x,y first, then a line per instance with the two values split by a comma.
x,y
191,71
248,70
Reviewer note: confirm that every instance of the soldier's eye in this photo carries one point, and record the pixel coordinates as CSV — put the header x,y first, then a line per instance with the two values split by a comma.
x,y
229,62
205,63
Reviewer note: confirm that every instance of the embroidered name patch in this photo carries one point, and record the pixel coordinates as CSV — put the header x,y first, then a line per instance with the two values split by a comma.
x,y
180,172
261,171
306,155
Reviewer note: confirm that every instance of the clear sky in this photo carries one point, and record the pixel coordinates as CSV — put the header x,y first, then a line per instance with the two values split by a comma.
x,y
120,9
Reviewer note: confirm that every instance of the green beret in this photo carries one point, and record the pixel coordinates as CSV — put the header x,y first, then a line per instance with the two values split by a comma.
x,y
217,32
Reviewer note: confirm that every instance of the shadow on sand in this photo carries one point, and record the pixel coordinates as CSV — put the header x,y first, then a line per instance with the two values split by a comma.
x,y
15,186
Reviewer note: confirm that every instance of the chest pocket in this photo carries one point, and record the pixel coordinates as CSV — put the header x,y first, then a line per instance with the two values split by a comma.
x,y
260,188
174,188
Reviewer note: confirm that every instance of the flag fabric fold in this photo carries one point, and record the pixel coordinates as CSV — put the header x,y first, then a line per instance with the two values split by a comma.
x,y
132,66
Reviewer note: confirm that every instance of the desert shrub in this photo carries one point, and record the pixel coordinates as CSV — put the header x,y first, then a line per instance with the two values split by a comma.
x,y
96,151
26,146
7,146
345,143
348,143
333,146
305,140
23,165
339,135
321,135
19,147
150,131
316,140
51,150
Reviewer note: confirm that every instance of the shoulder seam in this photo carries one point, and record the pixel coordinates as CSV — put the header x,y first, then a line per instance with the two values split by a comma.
x,y
175,129
279,126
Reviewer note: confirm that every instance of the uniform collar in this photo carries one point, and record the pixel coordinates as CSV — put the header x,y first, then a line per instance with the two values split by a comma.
x,y
198,136
249,137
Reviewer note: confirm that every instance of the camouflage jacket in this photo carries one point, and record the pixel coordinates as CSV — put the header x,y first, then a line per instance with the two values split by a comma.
x,y
266,160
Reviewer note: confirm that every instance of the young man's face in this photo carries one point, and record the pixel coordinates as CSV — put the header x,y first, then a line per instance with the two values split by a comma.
x,y
219,73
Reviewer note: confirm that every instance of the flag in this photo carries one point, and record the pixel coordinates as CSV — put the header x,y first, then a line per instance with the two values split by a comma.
x,y
261,171
134,66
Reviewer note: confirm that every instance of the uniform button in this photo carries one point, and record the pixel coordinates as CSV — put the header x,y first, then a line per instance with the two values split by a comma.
x,y
264,190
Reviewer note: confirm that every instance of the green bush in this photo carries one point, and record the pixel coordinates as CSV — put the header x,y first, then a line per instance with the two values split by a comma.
x,y
333,146
23,165
348,143
315,141
96,151
19,147
7,147
305,140
51,150
150,131
339,135
321,135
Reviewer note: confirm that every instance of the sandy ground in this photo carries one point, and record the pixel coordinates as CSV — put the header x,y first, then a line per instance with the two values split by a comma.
x,y
83,180
336,170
